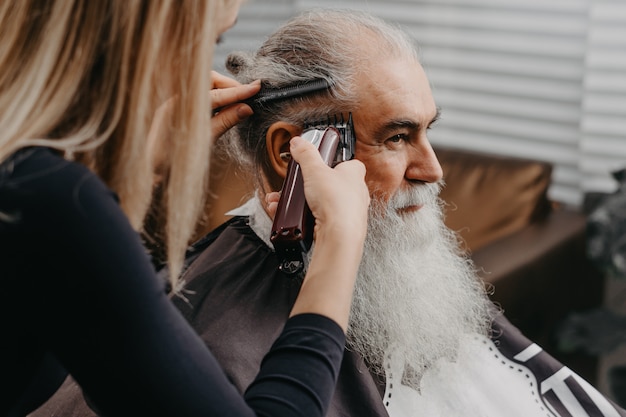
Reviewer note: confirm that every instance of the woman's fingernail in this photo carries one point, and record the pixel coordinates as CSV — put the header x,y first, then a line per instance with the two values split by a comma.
x,y
244,111
296,141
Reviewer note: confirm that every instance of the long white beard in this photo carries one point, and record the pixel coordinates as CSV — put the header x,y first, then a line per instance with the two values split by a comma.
x,y
416,293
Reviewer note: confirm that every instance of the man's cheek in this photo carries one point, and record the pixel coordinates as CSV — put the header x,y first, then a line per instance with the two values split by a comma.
x,y
377,193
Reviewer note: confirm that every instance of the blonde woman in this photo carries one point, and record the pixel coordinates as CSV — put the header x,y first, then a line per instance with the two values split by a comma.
x,y
80,82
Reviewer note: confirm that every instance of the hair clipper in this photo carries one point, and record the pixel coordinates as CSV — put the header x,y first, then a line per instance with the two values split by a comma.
x,y
292,230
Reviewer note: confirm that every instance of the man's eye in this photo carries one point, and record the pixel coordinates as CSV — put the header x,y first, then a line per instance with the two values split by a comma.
x,y
397,138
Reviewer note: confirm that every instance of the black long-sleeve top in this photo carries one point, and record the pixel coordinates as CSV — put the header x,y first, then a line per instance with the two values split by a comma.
x,y
79,295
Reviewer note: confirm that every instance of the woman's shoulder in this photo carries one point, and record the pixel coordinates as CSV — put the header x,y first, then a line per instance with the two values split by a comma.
x,y
42,171
33,163
39,180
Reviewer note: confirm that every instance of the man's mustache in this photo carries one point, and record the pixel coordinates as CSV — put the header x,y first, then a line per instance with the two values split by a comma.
x,y
418,195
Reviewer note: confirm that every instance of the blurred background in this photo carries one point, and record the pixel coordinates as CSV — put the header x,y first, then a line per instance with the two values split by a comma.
x,y
543,80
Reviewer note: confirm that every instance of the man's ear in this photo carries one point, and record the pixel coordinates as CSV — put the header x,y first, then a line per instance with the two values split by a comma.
x,y
277,142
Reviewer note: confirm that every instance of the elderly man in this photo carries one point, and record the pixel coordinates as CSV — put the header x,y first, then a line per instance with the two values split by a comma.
x,y
424,339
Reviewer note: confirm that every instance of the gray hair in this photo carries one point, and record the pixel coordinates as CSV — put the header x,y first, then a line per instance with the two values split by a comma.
x,y
332,44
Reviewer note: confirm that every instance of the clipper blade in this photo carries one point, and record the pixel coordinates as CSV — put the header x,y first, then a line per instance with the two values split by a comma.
x,y
347,143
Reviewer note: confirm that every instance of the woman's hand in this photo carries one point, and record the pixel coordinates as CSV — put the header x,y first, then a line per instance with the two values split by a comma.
x,y
226,97
338,197
331,194
271,200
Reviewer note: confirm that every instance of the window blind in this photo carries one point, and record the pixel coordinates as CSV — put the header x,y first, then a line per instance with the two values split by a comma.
x,y
256,20
603,126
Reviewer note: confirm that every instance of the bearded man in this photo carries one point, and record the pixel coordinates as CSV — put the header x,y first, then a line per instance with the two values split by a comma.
x,y
424,339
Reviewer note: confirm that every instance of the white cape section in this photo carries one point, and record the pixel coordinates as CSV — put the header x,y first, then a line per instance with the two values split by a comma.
x,y
481,382
258,220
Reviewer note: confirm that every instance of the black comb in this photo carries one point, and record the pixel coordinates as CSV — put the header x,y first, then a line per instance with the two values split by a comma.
x,y
272,94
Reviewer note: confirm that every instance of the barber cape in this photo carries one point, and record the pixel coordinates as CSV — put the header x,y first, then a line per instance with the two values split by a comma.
x,y
238,301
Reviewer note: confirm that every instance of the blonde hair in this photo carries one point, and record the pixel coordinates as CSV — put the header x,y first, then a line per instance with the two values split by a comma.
x,y
85,77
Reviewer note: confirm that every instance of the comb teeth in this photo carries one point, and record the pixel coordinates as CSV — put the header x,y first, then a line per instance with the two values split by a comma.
x,y
345,150
329,121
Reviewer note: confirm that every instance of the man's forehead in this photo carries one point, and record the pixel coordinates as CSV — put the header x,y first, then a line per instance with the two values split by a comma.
x,y
395,90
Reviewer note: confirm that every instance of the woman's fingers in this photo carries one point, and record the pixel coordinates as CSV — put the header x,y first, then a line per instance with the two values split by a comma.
x,y
227,95
226,90
229,117
271,200
338,198
222,81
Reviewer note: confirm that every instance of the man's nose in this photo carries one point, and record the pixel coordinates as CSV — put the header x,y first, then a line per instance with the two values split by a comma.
x,y
423,165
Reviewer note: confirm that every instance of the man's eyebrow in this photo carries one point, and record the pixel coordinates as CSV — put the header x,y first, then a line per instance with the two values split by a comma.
x,y
395,124
436,118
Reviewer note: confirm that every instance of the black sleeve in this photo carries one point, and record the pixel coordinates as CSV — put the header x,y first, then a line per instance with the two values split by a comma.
x,y
100,309
302,348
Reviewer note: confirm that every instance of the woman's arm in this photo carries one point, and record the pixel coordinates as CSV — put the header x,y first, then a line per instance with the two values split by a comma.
x,y
98,306
338,199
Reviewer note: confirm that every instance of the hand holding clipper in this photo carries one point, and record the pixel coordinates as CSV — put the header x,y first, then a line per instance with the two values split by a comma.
x,y
292,230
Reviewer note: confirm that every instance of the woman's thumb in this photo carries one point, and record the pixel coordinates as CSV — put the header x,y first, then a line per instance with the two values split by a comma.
x,y
305,153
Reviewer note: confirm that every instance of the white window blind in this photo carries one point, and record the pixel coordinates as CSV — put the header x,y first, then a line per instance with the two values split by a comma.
x,y
603,126
256,20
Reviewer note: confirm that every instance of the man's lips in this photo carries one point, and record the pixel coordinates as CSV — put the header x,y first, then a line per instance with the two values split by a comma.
x,y
409,209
